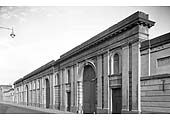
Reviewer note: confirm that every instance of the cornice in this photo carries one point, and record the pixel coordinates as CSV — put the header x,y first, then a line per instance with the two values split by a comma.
x,y
159,76
155,42
138,18
40,69
17,81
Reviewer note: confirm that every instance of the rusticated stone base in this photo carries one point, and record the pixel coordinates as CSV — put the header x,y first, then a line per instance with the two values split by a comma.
x,y
130,112
37,104
57,107
24,103
34,104
51,106
41,105
62,108
74,109
102,111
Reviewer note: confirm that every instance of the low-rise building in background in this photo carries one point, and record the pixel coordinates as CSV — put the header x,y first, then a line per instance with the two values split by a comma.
x,y
8,95
4,88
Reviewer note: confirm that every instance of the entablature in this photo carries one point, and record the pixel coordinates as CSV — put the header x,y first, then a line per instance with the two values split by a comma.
x,y
138,18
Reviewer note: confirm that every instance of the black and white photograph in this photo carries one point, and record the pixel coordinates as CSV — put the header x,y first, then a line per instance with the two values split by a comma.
x,y
85,60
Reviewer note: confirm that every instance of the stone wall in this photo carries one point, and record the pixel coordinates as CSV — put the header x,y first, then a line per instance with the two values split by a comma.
x,y
155,94
155,57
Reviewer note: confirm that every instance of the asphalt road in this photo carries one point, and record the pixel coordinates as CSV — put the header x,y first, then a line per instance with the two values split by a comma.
x,y
9,109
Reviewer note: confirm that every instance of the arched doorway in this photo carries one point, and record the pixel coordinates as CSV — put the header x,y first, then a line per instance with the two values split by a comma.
x,y
27,95
47,93
89,90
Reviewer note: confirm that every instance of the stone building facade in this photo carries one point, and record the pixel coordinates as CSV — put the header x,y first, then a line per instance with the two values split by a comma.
x,y
106,74
36,87
8,95
4,88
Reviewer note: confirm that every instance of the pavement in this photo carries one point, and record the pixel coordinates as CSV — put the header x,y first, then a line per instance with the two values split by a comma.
x,y
13,108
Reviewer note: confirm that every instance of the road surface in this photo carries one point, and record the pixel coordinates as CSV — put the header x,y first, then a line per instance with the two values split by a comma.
x,y
9,109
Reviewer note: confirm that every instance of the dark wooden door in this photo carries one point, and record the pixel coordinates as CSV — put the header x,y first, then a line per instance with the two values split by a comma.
x,y
68,101
116,101
89,90
47,94
93,96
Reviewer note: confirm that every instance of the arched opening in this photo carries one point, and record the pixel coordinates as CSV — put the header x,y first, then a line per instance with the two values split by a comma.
x,y
18,95
116,64
27,95
47,93
89,90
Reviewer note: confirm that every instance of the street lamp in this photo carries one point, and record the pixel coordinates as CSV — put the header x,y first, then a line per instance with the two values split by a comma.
x,y
12,33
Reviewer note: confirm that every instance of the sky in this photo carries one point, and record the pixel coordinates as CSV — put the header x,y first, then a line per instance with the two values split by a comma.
x,y
45,33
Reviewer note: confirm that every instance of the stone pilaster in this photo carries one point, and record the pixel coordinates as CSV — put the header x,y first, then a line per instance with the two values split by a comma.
x,y
41,97
53,89
106,83
136,77
44,93
63,91
99,84
125,79
61,88
35,94
75,87
80,96
22,93
72,87
30,93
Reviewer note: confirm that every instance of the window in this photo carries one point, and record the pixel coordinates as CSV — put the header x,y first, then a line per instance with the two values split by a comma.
x,y
111,64
38,84
163,61
57,79
34,84
116,64
69,76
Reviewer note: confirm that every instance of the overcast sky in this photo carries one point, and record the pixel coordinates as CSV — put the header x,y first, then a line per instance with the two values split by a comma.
x,y
45,33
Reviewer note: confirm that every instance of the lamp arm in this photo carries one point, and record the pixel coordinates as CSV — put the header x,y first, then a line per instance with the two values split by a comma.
x,y
12,34
6,28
